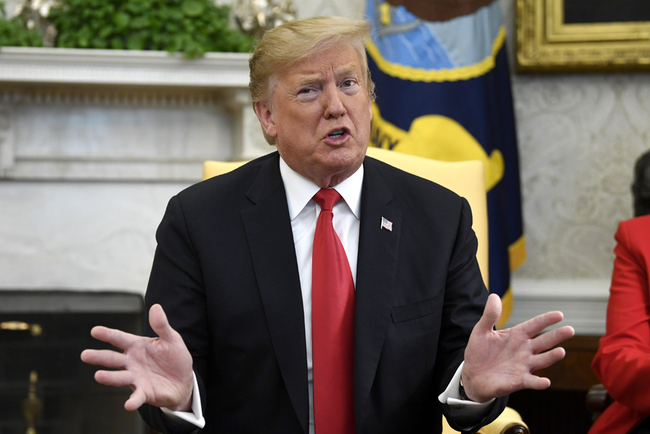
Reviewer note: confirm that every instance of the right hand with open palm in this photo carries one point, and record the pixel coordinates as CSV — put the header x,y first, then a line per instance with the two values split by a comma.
x,y
159,370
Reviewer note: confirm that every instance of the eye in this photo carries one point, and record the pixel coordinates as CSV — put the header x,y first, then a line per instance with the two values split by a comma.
x,y
307,93
348,83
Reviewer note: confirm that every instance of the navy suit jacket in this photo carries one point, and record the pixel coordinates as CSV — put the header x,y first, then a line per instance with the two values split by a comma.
x,y
226,274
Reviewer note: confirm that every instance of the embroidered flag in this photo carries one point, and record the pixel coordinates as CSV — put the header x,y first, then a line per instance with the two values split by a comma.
x,y
443,92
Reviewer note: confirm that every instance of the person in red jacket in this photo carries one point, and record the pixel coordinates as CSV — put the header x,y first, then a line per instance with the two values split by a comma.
x,y
622,362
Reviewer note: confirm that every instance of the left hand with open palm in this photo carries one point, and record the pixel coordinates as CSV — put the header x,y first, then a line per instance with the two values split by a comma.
x,y
499,362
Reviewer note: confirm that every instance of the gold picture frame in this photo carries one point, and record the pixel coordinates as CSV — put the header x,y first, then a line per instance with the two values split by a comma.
x,y
545,43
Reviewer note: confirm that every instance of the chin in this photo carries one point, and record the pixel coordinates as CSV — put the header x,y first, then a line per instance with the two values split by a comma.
x,y
348,160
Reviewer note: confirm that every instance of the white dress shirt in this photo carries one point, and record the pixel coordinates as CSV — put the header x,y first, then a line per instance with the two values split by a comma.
x,y
303,212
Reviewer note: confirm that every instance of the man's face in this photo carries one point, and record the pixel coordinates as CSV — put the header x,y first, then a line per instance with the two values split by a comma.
x,y
319,113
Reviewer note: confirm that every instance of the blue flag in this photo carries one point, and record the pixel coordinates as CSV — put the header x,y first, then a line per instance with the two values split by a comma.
x,y
443,92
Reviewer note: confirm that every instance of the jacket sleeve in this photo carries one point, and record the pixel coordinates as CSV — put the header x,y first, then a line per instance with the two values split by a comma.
x,y
622,362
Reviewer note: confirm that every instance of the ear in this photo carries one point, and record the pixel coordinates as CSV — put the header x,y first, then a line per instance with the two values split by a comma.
x,y
263,111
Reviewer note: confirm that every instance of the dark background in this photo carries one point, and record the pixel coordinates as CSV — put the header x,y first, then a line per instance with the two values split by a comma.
x,y
562,408
605,11
72,402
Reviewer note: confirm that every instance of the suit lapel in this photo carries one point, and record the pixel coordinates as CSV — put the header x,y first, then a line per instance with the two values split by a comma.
x,y
376,270
269,234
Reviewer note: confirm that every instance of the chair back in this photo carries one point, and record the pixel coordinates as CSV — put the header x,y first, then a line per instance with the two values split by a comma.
x,y
466,178
213,167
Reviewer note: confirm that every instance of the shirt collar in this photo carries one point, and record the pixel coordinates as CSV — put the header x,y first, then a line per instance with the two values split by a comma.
x,y
300,190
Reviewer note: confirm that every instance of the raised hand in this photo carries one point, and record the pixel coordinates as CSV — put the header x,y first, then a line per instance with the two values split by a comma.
x,y
499,362
159,370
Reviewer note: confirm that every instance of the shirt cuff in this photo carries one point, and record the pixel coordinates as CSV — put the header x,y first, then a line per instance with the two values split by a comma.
x,y
195,417
451,396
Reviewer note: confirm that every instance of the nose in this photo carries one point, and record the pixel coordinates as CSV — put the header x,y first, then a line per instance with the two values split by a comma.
x,y
333,105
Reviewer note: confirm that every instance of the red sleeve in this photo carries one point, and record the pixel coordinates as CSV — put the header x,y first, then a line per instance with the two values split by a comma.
x,y
623,359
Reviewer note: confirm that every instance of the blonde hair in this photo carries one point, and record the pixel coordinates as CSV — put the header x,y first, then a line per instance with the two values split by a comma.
x,y
288,44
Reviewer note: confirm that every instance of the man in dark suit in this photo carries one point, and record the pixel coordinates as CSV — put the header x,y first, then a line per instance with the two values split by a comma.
x,y
233,273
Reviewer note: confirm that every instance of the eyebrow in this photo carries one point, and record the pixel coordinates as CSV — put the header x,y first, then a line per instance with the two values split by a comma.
x,y
343,71
309,80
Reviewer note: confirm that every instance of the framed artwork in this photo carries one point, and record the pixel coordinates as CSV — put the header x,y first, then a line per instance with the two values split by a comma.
x,y
565,36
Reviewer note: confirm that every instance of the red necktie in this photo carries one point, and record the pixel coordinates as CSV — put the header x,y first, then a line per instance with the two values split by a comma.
x,y
332,319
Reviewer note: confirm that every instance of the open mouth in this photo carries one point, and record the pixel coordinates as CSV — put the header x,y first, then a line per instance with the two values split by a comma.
x,y
336,134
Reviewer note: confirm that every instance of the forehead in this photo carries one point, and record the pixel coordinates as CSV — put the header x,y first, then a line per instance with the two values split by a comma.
x,y
336,60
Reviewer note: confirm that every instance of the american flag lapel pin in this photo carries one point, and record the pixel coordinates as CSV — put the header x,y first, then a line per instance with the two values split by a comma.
x,y
386,224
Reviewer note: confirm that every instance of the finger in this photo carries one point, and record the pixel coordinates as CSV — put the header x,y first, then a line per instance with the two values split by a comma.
x,y
544,360
536,383
539,323
114,337
114,378
160,324
136,400
491,314
107,358
552,338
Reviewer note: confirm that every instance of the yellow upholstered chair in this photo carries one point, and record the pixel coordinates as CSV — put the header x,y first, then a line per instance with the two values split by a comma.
x,y
213,167
466,178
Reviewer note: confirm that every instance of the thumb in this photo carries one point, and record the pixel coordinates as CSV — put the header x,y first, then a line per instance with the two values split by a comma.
x,y
491,314
159,323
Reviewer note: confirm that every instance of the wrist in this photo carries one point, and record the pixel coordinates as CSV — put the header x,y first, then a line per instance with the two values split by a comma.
x,y
185,403
461,390
467,390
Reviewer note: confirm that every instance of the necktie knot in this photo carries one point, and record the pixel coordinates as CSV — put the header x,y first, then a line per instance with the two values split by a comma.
x,y
327,198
